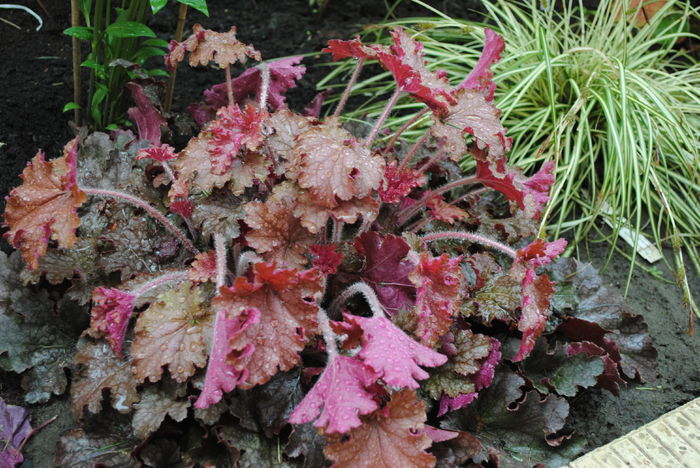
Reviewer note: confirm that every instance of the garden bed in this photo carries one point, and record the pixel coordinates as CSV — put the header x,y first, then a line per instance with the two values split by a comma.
x,y
36,82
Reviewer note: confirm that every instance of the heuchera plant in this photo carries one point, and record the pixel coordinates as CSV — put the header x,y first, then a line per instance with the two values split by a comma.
x,y
287,241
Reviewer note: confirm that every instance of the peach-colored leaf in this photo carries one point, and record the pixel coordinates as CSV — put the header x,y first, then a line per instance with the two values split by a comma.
x,y
45,205
334,165
390,437
276,233
205,45
286,299
194,163
172,332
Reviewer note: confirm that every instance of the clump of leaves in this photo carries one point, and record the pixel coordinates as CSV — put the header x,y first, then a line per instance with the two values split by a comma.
x,y
281,269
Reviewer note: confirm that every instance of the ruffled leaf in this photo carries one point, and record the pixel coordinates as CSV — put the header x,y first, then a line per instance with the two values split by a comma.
x,y
481,76
275,231
537,293
332,164
339,396
474,115
172,332
203,268
45,205
541,252
392,354
222,376
231,131
397,184
439,282
205,45
286,299
154,406
100,370
110,314
326,258
388,438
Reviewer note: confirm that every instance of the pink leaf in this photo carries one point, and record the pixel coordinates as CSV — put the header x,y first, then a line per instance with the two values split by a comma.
x,y
540,252
528,193
157,153
110,314
233,129
352,48
326,259
313,108
484,377
392,354
339,396
481,76
398,183
387,268
610,378
405,61
145,115
222,376
203,267
537,294
284,74
14,432
438,283
448,404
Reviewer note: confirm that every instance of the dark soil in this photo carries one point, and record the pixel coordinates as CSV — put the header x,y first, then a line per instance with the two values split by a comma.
x,y
35,83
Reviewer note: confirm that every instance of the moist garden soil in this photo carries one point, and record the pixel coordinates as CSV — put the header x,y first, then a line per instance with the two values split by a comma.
x,y
35,83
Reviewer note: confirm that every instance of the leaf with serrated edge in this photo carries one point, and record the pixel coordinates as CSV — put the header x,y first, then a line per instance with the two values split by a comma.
x,y
154,406
171,332
389,438
102,370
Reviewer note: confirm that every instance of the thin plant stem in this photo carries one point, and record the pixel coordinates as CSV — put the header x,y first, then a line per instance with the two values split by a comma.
x,y
432,160
348,88
264,85
418,225
154,283
380,121
34,431
244,260
179,32
412,151
220,249
149,209
367,292
410,211
404,127
476,238
75,44
229,86
328,336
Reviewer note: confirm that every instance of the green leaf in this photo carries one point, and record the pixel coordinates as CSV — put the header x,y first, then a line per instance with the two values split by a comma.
x,y
129,29
157,5
84,33
157,72
199,5
70,106
156,43
145,52
112,127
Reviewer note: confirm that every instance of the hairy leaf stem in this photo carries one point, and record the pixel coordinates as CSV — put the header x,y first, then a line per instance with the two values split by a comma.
x,y
154,283
264,85
476,238
148,208
348,88
220,249
408,212
380,121
404,127
367,292
229,86
328,336
412,151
